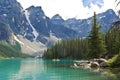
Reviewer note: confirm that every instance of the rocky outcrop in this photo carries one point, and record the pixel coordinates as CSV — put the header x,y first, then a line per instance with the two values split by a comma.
x,y
94,64
102,62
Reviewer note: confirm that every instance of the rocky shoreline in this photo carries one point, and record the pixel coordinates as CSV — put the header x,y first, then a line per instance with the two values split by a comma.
x,y
91,64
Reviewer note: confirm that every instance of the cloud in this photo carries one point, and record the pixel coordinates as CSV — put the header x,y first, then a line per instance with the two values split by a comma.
x,y
87,3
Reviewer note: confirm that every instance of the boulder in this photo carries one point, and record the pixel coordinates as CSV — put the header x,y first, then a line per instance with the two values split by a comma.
x,y
94,65
102,62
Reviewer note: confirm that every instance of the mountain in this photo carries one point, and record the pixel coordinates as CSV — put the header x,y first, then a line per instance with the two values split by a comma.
x,y
83,26
31,23
31,27
12,13
34,31
43,26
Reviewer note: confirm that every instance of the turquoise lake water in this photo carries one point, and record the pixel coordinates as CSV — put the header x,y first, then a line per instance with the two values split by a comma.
x,y
38,69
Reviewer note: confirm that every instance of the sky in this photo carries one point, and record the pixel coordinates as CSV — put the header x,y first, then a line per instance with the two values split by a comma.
x,y
79,9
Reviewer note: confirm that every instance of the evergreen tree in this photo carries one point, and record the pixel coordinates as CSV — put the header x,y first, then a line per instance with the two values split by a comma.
x,y
112,39
96,42
117,5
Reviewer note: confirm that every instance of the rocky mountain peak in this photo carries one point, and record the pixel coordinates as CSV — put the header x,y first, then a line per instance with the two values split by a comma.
x,y
56,17
35,10
9,4
110,11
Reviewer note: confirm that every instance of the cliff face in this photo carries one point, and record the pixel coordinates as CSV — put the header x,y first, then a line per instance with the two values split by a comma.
x,y
12,13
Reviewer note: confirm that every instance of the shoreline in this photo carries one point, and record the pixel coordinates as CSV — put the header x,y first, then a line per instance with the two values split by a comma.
x,y
101,66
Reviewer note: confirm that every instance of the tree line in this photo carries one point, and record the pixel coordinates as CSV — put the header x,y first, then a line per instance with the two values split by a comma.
x,y
68,49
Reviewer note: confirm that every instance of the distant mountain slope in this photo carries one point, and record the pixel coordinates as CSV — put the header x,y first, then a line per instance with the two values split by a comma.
x,y
83,26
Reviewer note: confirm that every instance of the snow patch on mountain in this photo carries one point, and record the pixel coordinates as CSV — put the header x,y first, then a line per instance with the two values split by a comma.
x,y
16,39
34,30
13,19
46,24
102,17
5,15
44,17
